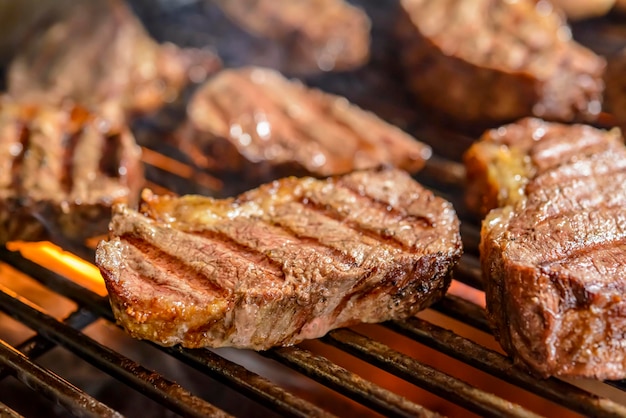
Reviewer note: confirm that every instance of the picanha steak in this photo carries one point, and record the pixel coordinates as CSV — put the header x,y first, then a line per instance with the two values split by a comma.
x,y
254,122
288,261
553,252
61,169
486,61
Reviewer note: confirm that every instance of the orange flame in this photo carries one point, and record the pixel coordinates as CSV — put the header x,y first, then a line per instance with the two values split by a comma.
x,y
62,262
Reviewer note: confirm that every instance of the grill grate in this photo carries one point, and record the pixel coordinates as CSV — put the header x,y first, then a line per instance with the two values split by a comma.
x,y
19,360
322,361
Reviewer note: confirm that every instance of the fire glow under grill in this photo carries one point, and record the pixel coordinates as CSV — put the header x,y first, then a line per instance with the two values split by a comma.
x,y
368,369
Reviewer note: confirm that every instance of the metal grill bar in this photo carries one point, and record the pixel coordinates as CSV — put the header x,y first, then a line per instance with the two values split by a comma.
x,y
495,363
246,382
7,412
37,345
146,381
424,376
387,403
52,386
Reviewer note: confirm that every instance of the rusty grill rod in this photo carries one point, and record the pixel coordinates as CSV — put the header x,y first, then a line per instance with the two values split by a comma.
x,y
168,393
498,365
424,376
52,386
350,384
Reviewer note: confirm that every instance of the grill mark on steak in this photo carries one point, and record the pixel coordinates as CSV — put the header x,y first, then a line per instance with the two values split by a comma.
x,y
50,174
308,223
384,206
552,151
301,130
332,213
578,194
602,259
313,243
251,254
554,237
603,164
194,280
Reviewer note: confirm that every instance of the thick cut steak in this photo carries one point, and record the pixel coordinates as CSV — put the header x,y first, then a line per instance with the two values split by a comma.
x,y
288,261
484,61
255,122
61,169
553,252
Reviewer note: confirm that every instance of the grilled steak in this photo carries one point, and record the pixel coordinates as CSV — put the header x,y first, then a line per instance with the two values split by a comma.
x,y
61,169
255,122
288,261
99,55
313,35
497,61
553,254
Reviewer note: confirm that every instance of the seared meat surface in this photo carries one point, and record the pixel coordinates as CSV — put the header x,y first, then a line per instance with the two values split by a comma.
x,y
99,55
314,35
61,169
288,261
553,252
254,122
486,61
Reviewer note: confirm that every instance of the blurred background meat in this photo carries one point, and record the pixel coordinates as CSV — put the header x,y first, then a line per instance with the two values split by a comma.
x,y
61,170
315,35
98,54
255,123
489,61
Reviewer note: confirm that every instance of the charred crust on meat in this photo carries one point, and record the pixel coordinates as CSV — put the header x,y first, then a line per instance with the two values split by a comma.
x,y
289,272
553,252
